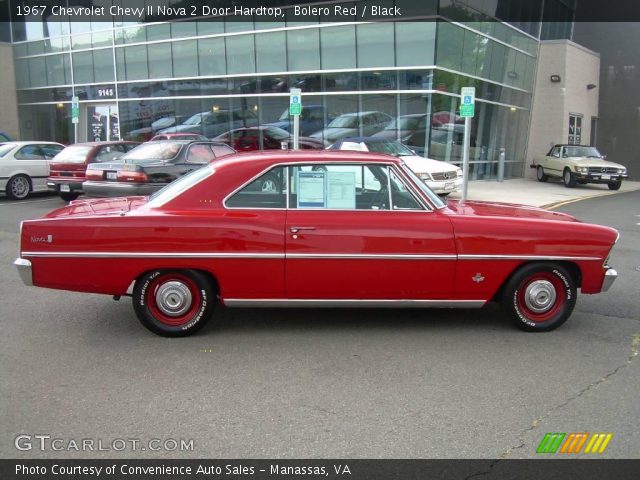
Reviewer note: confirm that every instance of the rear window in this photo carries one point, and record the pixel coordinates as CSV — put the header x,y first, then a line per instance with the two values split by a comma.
x,y
4,149
153,151
73,154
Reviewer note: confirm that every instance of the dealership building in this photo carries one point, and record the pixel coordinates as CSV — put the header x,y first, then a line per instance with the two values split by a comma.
x,y
358,76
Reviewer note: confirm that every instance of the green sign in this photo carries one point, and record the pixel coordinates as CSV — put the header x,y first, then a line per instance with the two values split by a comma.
x,y
75,109
468,99
295,109
467,110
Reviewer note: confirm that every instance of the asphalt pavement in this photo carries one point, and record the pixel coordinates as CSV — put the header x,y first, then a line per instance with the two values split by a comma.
x,y
319,383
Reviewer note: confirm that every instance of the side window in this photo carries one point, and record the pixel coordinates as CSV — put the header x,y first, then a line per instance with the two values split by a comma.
x,y
30,152
129,146
401,197
339,187
221,150
555,152
267,191
199,153
51,151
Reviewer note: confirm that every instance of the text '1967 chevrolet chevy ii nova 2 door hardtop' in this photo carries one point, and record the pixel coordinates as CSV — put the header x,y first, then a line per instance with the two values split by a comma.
x,y
314,229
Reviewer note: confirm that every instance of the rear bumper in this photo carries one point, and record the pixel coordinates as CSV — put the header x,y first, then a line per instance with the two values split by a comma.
x,y
609,277
55,183
24,270
117,189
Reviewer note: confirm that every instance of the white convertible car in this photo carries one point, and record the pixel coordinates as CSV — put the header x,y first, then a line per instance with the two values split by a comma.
x,y
24,167
441,177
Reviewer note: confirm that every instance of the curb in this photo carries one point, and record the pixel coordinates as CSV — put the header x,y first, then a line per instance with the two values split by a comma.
x,y
551,206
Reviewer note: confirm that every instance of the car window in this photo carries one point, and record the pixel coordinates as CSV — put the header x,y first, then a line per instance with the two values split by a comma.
x,y
200,153
222,150
401,197
4,138
109,153
51,151
339,187
129,146
267,191
6,148
29,152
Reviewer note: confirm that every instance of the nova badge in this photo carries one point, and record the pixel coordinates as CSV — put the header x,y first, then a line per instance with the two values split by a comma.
x,y
478,278
43,239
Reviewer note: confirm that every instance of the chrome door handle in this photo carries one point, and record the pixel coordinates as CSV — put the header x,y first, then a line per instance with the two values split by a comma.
x,y
297,229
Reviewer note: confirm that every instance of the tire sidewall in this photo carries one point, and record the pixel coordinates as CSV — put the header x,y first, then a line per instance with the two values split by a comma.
x,y
519,281
195,323
540,174
9,191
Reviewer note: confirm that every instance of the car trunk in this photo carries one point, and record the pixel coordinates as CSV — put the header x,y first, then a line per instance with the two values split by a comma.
x,y
98,206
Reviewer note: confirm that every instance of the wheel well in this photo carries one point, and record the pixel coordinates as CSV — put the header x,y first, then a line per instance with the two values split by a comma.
x,y
210,276
26,175
572,267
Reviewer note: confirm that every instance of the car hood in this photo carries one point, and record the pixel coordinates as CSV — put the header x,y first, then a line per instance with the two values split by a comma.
x,y
427,165
284,125
98,206
496,209
594,162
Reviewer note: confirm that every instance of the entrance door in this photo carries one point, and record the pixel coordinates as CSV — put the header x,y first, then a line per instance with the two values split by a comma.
x,y
102,122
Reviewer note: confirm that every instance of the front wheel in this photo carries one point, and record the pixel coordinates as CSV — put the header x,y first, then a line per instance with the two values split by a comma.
x,y
614,185
542,177
569,178
174,303
539,297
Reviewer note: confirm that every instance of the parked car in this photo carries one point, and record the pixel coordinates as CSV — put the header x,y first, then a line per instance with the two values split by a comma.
x,y
352,125
24,167
403,127
579,164
265,137
311,120
441,177
319,240
68,168
178,136
211,124
150,167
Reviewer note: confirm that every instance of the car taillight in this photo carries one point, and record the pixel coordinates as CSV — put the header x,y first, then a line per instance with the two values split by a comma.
x,y
124,176
93,175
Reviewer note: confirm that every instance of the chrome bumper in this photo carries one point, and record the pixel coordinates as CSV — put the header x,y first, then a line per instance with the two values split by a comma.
x,y
609,277
24,270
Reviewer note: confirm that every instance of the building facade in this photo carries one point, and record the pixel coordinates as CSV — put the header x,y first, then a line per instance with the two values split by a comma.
x,y
401,76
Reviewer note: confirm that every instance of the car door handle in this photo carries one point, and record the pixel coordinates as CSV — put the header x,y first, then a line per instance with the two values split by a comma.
x,y
297,229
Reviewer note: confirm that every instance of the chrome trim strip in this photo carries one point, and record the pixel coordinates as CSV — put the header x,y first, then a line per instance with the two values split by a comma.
x,y
609,277
351,303
24,270
152,255
524,257
365,256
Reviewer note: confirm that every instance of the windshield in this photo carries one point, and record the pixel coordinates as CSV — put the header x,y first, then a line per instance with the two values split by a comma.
x,y
403,123
390,147
285,115
73,154
590,152
194,119
435,199
6,148
276,133
153,151
180,185
344,121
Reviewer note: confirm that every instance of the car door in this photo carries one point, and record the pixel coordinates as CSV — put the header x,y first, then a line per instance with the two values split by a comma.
x,y
31,160
347,238
552,162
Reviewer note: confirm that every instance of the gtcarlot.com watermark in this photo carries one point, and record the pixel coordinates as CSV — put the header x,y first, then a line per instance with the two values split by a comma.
x,y
47,443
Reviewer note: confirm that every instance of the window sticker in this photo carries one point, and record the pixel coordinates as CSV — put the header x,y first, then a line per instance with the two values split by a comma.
x,y
311,189
341,190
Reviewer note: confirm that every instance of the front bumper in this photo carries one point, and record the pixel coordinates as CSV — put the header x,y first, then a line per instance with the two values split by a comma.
x,y
609,277
444,186
24,270
595,178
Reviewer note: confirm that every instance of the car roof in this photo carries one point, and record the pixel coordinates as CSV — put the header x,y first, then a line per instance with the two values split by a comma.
x,y
95,144
305,157
365,140
29,142
570,145
183,141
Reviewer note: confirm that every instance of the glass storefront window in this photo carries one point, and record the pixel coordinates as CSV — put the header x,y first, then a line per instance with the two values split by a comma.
x,y
103,65
159,32
136,64
185,58
415,43
211,56
240,54
58,69
303,49
83,67
183,29
38,72
375,45
338,47
271,52
159,67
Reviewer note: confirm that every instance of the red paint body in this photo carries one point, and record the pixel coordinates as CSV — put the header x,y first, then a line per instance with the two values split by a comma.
x,y
196,222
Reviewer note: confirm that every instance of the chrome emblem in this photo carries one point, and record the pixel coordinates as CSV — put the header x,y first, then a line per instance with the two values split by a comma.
x,y
478,278
603,169
43,239
447,175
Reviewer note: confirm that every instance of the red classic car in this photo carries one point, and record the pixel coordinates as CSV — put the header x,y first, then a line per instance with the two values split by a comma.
x,y
337,229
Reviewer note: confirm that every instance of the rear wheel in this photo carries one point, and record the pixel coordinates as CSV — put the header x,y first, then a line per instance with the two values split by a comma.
x,y
69,196
614,185
174,303
18,187
569,178
542,177
539,297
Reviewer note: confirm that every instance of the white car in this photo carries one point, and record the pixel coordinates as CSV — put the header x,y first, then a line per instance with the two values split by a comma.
x,y
352,124
24,167
441,177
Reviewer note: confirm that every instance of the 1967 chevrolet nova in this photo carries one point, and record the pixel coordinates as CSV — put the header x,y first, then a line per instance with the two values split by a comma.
x,y
314,229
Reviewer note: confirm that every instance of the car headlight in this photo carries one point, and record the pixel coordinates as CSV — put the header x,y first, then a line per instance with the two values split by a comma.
x,y
622,171
424,176
582,169
459,172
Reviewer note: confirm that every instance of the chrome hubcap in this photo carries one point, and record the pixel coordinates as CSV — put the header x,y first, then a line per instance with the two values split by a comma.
x,y
540,296
20,187
173,298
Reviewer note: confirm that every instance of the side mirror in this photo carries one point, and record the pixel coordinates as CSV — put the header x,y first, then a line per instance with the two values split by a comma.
x,y
604,157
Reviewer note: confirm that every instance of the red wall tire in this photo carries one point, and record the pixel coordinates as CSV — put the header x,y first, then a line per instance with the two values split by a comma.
x,y
540,297
174,303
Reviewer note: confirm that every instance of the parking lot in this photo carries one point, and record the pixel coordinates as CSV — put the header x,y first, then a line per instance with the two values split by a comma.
x,y
320,383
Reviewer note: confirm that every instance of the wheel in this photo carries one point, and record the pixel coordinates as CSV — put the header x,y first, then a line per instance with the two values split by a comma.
x,y
174,303
614,185
541,175
18,187
539,297
69,196
270,184
569,178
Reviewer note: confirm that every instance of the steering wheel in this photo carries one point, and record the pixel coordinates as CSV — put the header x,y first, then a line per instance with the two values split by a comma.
x,y
380,198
